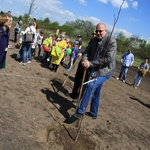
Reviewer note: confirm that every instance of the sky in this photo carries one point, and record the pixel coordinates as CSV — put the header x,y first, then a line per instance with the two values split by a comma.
x,y
134,17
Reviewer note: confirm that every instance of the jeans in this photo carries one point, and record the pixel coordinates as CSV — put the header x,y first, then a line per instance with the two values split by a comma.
x,y
137,80
45,56
26,49
124,70
30,52
94,87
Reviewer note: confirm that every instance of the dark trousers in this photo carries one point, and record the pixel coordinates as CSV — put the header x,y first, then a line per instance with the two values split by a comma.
x,y
78,81
15,37
54,67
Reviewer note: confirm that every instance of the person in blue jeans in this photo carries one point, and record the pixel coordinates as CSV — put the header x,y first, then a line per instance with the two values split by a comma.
x,y
99,58
127,61
74,55
26,46
139,75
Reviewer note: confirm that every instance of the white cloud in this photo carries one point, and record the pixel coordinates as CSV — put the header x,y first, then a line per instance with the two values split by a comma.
x,y
118,30
132,19
103,1
82,2
94,20
135,4
126,33
116,3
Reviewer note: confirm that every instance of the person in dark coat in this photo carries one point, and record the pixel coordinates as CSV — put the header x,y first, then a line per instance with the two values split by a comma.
x,y
5,24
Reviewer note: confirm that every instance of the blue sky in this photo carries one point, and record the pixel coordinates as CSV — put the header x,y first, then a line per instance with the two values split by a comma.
x,y
134,17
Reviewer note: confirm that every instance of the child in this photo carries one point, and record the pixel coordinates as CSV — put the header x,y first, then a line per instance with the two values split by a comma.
x,y
40,40
58,50
74,55
69,45
47,42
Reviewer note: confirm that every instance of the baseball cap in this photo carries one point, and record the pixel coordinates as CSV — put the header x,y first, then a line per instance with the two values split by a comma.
x,y
79,35
58,39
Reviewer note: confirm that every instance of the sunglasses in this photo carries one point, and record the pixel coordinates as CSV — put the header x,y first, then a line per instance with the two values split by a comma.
x,y
100,31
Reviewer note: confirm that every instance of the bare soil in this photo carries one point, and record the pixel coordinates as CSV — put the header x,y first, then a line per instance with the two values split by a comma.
x,y
34,108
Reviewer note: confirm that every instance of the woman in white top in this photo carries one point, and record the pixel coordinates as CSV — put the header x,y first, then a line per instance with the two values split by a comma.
x,y
26,46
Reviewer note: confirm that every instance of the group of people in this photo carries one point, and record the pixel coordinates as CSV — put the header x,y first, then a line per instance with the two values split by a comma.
x,y
98,60
54,48
127,61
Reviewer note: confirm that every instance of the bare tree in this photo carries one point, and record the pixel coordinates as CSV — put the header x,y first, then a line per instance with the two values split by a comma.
x,y
32,7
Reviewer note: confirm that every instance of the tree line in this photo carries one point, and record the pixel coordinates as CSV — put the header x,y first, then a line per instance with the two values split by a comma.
x,y
140,47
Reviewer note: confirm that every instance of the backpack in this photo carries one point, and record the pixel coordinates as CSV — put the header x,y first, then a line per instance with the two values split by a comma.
x,y
29,36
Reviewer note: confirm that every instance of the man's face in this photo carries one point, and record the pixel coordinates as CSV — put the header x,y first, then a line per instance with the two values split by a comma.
x,y
146,60
100,31
129,51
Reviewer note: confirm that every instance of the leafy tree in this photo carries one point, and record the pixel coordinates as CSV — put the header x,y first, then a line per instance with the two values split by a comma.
x,y
84,28
46,20
67,29
122,42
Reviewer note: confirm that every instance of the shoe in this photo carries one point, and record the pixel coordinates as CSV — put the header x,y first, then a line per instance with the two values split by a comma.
x,y
21,63
28,62
123,81
72,96
75,100
52,70
68,69
78,115
117,78
135,87
90,115
48,59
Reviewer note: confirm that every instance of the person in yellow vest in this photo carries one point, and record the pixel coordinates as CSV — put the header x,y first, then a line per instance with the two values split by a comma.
x,y
57,53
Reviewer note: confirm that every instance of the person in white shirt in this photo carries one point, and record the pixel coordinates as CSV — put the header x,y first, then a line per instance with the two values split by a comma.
x,y
127,61
27,45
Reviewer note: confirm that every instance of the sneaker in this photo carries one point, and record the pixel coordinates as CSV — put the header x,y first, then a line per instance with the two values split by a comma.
x,y
135,87
68,69
29,62
78,115
48,59
117,78
123,81
23,64
75,100
90,115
